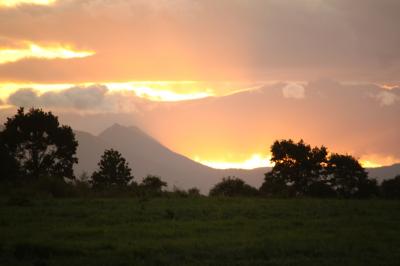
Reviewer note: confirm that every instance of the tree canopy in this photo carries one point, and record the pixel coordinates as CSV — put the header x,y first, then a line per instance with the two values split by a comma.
x,y
297,164
113,171
38,146
347,176
153,183
302,170
391,188
231,187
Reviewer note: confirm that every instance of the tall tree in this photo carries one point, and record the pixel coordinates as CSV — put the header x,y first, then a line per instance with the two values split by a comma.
x,y
39,144
113,171
347,176
297,165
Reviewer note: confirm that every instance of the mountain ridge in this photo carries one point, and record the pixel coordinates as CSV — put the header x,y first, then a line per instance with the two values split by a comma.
x,y
146,155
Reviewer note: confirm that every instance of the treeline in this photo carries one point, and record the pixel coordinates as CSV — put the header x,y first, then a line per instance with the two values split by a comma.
x,y
37,156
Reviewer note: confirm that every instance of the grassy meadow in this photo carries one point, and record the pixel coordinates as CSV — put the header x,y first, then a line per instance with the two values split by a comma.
x,y
199,231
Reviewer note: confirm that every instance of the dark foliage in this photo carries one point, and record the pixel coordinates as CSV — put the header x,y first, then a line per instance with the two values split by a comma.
x,y
152,184
391,188
274,185
38,146
8,165
321,189
114,171
194,191
297,165
348,177
231,187
301,170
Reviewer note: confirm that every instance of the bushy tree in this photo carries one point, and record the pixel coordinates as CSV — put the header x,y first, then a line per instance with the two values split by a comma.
x,y
113,171
274,185
8,165
321,189
302,170
231,187
152,183
38,145
391,188
296,165
194,191
348,177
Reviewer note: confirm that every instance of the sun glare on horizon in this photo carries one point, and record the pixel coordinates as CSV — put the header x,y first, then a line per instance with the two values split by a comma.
x,y
255,161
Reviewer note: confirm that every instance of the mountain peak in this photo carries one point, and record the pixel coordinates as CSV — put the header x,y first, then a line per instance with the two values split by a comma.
x,y
122,128
116,126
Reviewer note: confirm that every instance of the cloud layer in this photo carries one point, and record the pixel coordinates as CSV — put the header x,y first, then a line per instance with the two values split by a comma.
x,y
200,40
358,119
91,99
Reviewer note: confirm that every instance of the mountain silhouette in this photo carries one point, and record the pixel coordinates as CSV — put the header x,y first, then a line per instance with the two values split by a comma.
x,y
147,156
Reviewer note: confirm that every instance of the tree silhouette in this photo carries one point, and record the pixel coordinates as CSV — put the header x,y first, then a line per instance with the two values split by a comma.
x,y
39,145
194,191
297,165
347,176
153,183
391,188
321,189
8,165
113,171
231,187
275,185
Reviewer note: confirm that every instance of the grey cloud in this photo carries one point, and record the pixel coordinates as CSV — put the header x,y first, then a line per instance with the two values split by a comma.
x,y
293,90
387,98
95,98
24,97
76,97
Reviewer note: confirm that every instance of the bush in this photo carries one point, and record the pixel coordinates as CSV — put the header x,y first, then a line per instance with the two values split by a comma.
x,y
232,187
194,192
391,188
152,185
321,190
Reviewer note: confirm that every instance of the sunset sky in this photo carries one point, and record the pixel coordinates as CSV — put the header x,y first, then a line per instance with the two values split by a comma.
x,y
215,80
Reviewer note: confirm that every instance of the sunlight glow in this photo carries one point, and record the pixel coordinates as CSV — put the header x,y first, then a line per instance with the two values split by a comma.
x,y
151,90
32,50
159,90
370,164
376,160
12,3
256,161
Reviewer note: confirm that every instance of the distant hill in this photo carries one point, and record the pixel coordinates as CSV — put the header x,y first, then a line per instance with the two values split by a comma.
x,y
385,172
147,156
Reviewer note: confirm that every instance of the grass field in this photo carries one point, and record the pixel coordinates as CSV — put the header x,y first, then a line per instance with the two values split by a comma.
x,y
199,231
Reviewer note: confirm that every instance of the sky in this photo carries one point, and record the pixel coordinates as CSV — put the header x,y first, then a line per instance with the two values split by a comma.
x,y
217,81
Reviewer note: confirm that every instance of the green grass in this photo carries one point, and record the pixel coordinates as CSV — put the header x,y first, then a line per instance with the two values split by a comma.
x,y
199,231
